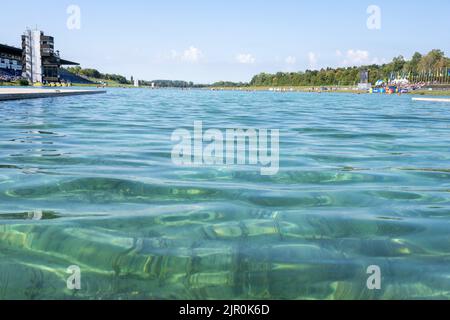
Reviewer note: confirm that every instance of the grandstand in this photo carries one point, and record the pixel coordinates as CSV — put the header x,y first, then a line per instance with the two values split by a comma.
x,y
7,75
10,73
10,63
69,77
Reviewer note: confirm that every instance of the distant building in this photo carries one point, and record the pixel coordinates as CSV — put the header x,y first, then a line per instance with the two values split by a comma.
x,y
364,76
364,80
40,61
136,83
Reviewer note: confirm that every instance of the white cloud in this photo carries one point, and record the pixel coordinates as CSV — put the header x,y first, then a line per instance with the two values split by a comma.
x,y
356,57
245,58
312,58
291,60
192,54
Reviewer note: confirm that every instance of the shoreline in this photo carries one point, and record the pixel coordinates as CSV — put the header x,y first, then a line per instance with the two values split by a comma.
x,y
285,89
281,89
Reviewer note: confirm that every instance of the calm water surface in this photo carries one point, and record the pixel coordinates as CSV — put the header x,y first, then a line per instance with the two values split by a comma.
x,y
88,181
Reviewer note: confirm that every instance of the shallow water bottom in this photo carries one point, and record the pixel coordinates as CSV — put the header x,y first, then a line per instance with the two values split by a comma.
x,y
363,181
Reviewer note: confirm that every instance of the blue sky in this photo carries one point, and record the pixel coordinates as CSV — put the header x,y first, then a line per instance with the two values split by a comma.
x,y
210,40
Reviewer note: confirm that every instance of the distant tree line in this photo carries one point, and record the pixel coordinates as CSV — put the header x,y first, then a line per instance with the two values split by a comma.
x,y
229,84
433,66
169,83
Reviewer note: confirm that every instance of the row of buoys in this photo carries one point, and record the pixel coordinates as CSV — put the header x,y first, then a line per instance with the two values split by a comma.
x,y
57,84
52,84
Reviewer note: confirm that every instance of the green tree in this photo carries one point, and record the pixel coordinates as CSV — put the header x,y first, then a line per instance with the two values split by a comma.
x,y
433,60
413,65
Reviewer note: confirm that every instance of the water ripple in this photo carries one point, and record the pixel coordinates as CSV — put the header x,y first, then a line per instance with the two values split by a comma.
x,y
363,180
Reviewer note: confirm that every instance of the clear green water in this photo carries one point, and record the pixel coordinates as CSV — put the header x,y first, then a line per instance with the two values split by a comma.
x,y
364,180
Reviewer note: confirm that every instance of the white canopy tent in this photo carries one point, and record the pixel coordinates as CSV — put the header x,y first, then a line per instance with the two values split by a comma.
x,y
400,81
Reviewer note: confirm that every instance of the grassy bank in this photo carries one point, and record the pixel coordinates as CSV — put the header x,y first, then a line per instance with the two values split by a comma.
x,y
109,83
11,84
445,93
